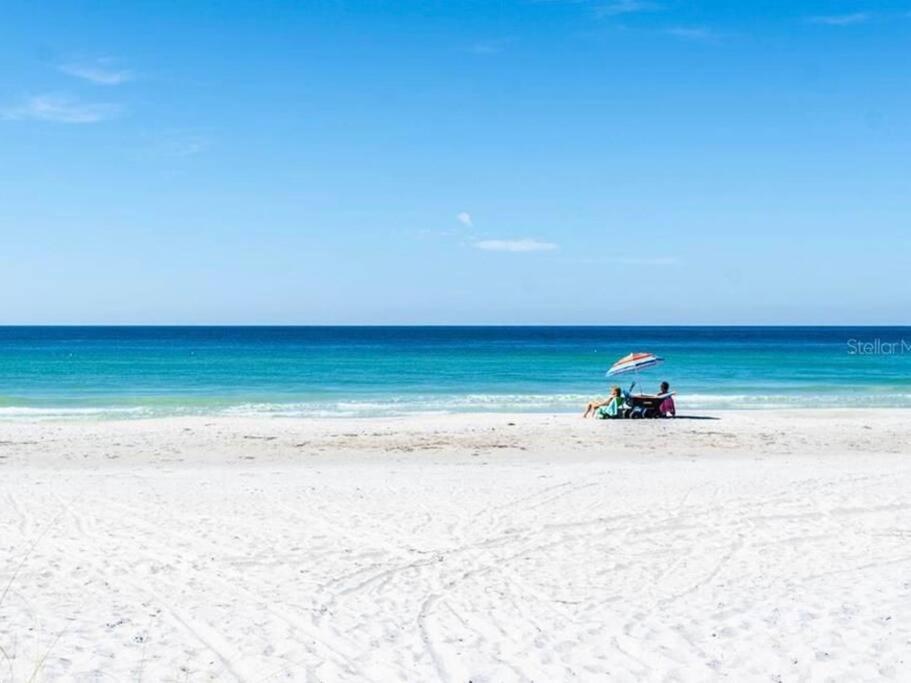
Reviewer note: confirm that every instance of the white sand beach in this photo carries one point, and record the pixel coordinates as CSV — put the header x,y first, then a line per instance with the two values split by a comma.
x,y
758,546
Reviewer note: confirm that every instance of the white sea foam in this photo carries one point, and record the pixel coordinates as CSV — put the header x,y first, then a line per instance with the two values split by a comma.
x,y
413,405
441,404
30,412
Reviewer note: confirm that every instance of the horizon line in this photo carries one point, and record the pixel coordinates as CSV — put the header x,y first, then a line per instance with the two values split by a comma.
x,y
445,325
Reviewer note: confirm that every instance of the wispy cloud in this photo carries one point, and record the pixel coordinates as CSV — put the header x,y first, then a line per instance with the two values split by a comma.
x,y
522,245
841,19
693,33
99,72
621,7
61,109
469,237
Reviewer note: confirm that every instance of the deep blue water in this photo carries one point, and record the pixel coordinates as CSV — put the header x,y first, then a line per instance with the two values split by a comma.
x,y
387,370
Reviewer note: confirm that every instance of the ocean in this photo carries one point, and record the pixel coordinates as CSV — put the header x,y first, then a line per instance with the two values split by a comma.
x,y
368,371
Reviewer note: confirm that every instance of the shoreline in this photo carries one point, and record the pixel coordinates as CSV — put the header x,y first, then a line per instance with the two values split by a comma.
x,y
216,440
689,413
415,406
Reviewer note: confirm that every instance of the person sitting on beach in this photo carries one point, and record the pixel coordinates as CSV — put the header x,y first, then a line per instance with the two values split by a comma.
x,y
667,407
609,408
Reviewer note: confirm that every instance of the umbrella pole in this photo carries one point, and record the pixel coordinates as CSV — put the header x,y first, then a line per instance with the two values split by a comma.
x,y
638,383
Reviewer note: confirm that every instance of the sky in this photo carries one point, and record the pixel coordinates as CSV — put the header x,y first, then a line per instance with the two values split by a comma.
x,y
497,162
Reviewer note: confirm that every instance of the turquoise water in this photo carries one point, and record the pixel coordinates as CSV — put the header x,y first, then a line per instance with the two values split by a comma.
x,y
359,371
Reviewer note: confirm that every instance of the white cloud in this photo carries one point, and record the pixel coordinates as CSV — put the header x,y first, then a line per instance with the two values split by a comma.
x,y
465,219
523,245
61,109
614,9
98,72
841,19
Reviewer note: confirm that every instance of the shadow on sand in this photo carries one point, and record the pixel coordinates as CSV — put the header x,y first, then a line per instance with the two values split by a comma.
x,y
696,417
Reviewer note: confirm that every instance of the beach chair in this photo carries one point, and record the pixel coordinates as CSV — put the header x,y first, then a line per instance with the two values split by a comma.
x,y
645,406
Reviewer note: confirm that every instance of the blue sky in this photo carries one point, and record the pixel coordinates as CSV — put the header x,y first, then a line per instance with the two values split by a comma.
x,y
511,162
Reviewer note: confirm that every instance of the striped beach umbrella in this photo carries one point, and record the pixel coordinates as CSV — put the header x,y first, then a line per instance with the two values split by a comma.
x,y
634,362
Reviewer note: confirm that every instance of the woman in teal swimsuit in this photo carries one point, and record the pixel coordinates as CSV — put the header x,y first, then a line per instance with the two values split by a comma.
x,y
609,408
